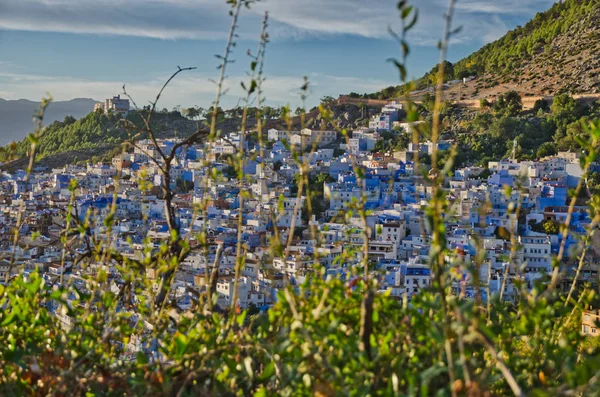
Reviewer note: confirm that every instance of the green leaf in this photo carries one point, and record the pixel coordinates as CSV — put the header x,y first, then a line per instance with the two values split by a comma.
x,y
413,22
241,318
405,48
141,358
9,319
261,392
268,372
181,344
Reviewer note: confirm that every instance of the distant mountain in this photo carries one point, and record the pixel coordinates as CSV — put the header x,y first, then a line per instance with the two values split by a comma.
x,y
558,51
16,116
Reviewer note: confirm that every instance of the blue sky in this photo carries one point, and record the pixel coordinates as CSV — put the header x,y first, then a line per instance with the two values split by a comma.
x,y
90,48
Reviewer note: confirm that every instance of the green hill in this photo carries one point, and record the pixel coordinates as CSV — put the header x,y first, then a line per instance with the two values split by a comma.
x,y
535,40
91,136
555,52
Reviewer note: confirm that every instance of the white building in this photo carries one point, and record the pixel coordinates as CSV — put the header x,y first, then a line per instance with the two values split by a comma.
x,y
406,126
114,104
391,231
308,137
385,120
341,196
276,135
415,277
286,214
536,254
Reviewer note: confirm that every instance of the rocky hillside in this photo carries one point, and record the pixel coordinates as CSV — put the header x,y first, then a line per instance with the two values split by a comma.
x,y
558,51
566,60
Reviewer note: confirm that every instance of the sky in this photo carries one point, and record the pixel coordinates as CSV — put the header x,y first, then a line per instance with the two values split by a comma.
x,y
90,48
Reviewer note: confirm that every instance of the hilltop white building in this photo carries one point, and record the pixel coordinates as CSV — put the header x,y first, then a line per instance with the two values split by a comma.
x,y
114,104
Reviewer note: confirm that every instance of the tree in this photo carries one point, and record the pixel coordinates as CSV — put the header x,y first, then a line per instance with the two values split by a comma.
x,y
321,179
428,102
337,152
271,113
432,76
551,227
220,113
593,182
252,309
564,104
184,186
485,104
546,149
69,120
188,186
546,226
318,205
392,141
509,104
565,110
541,105
575,131
192,113
327,100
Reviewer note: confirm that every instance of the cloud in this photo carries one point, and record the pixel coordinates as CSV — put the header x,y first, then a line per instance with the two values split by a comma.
x,y
327,84
156,19
297,19
505,7
186,90
495,30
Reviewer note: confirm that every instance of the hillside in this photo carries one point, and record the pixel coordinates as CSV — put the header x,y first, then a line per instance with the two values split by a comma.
x,y
348,116
91,136
96,135
16,115
558,51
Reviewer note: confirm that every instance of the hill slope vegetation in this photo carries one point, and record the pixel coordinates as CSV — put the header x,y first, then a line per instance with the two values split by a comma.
x,y
558,51
91,136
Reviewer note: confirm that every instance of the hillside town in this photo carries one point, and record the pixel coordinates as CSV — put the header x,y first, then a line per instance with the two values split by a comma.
x,y
518,243
275,198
